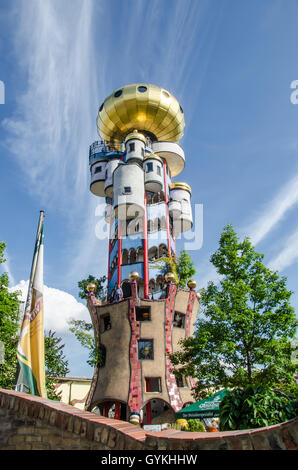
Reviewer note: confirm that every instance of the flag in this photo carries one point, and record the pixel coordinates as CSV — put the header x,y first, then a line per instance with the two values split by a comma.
x,y
30,351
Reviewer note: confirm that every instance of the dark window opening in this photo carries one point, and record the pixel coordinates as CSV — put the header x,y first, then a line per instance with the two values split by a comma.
x,y
153,384
118,93
132,147
149,167
145,349
143,313
105,322
142,88
181,382
127,190
158,170
98,169
179,320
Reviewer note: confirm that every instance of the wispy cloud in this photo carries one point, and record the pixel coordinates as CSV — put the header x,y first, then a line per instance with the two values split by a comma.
x,y
288,254
273,213
55,117
7,268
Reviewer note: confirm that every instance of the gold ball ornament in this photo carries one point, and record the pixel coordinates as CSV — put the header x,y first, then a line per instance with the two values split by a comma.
x,y
192,284
170,277
91,287
134,276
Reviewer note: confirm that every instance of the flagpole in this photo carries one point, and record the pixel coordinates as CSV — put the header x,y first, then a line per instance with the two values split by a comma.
x,y
18,381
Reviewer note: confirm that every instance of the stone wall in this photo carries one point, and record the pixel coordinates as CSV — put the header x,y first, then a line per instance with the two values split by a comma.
x,y
30,422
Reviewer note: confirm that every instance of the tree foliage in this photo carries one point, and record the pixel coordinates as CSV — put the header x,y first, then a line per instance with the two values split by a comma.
x,y
183,268
255,406
100,291
56,364
9,328
243,336
81,330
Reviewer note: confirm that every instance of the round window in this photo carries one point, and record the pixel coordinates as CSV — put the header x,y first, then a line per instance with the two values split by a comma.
x,y
118,93
165,94
142,89
181,109
100,109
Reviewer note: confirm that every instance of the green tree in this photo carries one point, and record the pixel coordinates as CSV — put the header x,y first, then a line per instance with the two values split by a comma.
x,y
183,268
9,328
56,364
83,330
255,406
243,336
100,291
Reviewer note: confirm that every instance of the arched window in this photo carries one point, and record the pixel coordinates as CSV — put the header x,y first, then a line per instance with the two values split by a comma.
x,y
132,256
124,256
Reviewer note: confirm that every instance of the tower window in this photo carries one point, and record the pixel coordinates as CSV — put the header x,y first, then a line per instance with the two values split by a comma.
x,y
143,313
158,170
149,167
105,322
142,88
179,320
132,147
181,381
145,349
98,169
153,384
127,190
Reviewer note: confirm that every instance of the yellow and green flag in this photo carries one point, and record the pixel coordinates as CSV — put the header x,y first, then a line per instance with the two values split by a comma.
x,y
30,352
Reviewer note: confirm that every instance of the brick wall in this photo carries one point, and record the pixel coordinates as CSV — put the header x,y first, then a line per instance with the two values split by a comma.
x,y
29,422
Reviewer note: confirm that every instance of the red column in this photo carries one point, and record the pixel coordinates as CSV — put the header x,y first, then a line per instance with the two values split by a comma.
x,y
148,413
117,410
145,249
119,252
167,206
110,249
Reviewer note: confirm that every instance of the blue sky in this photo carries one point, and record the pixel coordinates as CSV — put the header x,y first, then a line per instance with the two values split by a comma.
x,y
230,64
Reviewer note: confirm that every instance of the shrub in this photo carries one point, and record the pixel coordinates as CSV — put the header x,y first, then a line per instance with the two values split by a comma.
x,y
254,407
194,425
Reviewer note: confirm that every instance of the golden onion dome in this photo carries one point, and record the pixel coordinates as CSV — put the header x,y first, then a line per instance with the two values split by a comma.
x,y
154,156
178,185
135,135
148,108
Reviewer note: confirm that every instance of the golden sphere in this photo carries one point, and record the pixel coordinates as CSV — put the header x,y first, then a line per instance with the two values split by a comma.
x,y
170,277
192,284
91,287
134,276
145,107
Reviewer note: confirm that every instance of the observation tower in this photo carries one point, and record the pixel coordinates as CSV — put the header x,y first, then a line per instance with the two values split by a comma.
x,y
134,168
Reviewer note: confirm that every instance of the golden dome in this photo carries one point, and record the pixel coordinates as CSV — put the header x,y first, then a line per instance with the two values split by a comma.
x,y
135,135
179,185
134,276
145,107
154,156
192,284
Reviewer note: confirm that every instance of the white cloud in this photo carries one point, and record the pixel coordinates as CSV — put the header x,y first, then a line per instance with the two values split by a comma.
x,y
288,255
59,306
273,212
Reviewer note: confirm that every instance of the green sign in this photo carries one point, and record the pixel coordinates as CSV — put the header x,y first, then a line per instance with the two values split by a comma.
x,y
208,408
